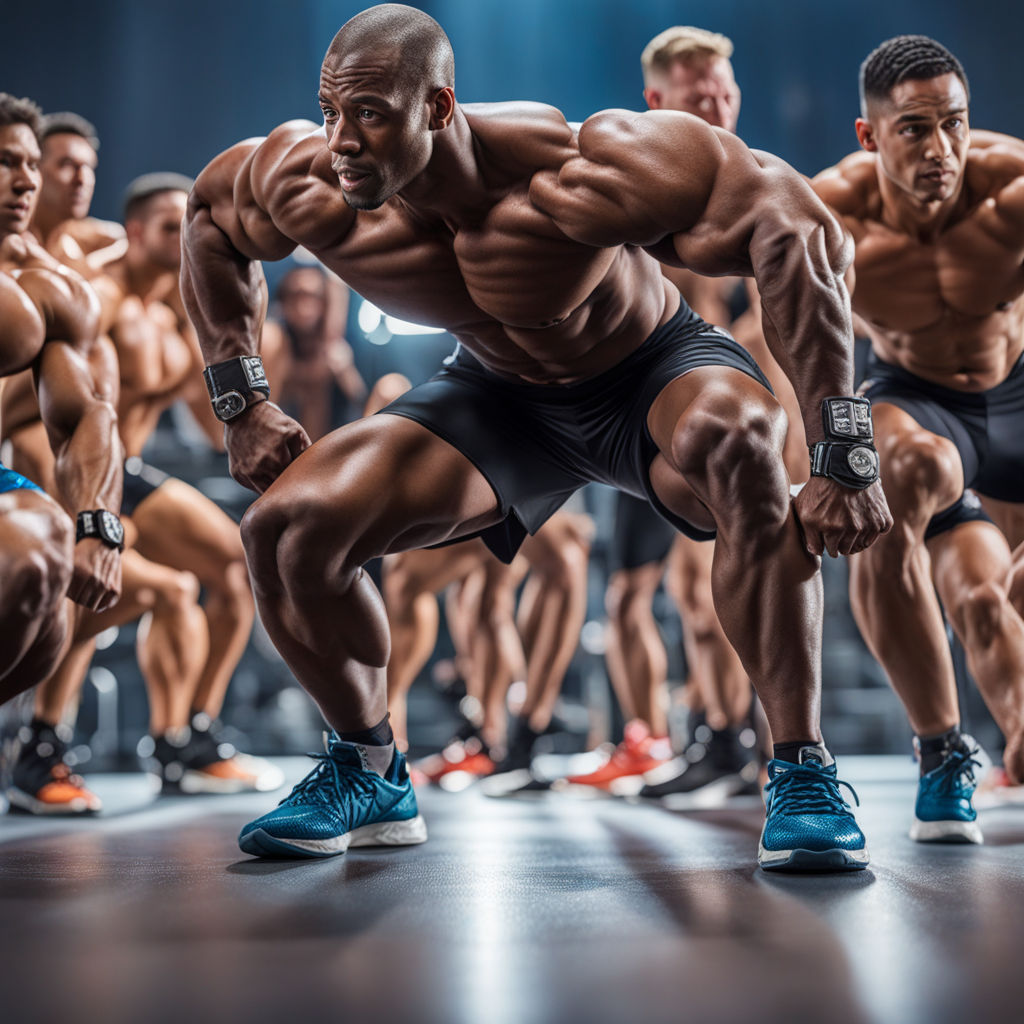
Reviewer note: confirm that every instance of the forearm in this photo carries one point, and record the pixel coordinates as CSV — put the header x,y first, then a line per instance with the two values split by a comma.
x,y
89,461
223,290
806,314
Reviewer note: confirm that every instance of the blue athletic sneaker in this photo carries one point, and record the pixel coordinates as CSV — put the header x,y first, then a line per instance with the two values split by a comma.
x,y
337,805
808,825
943,812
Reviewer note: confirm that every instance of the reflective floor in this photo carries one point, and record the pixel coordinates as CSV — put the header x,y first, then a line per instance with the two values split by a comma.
x,y
543,909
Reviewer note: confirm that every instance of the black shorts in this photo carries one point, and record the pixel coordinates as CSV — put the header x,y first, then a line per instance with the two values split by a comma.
x,y
966,510
538,443
641,536
987,427
140,481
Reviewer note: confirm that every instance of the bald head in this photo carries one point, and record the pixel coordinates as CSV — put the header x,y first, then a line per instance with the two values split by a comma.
x,y
418,46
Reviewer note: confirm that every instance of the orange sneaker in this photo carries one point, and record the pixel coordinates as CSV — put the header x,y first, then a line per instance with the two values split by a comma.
x,y
622,773
466,756
41,782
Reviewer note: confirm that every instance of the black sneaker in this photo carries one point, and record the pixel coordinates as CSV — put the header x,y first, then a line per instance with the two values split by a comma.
x,y
514,772
196,760
719,764
42,781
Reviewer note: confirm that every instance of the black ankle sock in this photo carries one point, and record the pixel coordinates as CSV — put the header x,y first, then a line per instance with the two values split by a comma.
x,y
791,751
933,749
379,736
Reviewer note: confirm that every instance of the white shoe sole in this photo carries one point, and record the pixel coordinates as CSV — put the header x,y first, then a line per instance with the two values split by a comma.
x,y
410,832
952,831
835,859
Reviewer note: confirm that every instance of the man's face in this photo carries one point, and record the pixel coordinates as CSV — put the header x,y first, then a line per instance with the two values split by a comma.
x,y
921,136
704,87
303,300
158,231
19,177
378,127
69,176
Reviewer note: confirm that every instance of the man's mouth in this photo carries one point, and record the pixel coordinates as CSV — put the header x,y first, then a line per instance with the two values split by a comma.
x,y
351,178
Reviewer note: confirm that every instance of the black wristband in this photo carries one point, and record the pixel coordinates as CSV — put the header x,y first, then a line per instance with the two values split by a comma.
x,y
848,463
234,384
101,524
847,419
847,455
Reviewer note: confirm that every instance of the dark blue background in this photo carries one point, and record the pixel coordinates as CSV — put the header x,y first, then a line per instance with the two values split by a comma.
x,y
169,83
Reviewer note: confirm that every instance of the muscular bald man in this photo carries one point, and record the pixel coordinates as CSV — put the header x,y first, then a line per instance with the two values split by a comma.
x,y
592,368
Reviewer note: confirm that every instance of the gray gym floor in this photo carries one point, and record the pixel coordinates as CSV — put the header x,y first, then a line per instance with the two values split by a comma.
x,y
529,910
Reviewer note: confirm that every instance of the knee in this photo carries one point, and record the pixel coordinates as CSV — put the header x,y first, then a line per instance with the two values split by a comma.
x,y
298,553
919,469
628,598
733,452
981,610
564,567
40,572
177,594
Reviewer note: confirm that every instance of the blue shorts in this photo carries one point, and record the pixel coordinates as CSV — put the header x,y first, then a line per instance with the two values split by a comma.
x,y
536,444
11,481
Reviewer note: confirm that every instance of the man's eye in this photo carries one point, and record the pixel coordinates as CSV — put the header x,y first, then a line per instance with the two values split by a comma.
x,y
329,115
366,113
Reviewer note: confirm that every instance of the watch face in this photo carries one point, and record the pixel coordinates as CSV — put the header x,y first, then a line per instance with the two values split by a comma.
x,y
863,461
110,526
228,405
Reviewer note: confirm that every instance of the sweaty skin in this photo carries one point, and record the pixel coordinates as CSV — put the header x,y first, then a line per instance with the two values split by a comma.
x,y
429,209
937,215
48,324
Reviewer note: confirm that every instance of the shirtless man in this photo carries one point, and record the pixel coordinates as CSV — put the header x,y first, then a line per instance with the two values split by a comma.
x,y
49,321
937,215
312,309
590,369
171,640
70,148
182,536
688,69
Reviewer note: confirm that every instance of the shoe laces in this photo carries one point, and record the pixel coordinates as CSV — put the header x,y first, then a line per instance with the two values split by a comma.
x,y
328,780
958,768
801,789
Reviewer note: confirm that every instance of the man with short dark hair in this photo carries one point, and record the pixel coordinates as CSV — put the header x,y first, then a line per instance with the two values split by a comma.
x,y
70,148
49,321
937,214
590,368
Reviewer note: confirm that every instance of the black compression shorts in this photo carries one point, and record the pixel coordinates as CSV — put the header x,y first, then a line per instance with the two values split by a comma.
x,y
538,443
987,427
641,536
140,481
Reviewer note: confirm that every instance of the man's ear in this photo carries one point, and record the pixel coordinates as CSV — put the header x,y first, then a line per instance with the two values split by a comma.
x,y
653,98
442,109
866,135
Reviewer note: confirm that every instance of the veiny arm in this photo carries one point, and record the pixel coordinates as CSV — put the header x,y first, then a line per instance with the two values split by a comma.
x,y
80,422
671,183
226,231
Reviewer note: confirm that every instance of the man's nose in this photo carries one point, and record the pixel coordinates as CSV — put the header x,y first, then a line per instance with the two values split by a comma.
x,y
938,145
343,137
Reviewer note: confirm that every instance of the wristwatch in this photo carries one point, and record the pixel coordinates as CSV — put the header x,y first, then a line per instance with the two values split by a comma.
x,y
847,455
102,525
234,385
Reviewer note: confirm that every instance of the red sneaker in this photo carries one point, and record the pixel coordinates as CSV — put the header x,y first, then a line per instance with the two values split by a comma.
x,y
638,752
